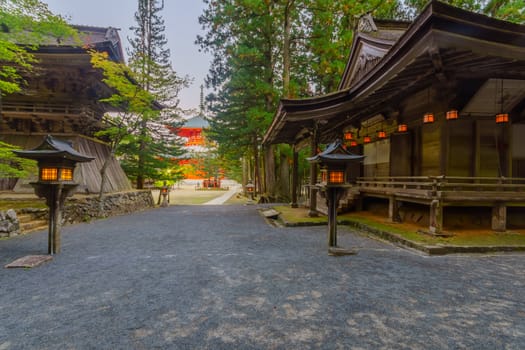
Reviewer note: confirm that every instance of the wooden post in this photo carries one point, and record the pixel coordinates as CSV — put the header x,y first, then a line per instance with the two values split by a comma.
x,y
313,175
436,216
333,202
295,176
393,209
499,217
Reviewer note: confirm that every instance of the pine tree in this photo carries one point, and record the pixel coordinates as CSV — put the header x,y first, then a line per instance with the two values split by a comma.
x,y
154,146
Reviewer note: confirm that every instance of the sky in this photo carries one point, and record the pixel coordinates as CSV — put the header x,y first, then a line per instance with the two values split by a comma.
x,y
182,28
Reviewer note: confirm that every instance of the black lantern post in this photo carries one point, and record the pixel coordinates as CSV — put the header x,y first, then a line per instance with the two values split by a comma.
x,y
334,162
56,164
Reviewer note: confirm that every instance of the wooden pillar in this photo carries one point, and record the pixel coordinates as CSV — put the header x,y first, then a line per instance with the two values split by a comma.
x,y
295,176
436,217
333,203
499,217
313,175
393,209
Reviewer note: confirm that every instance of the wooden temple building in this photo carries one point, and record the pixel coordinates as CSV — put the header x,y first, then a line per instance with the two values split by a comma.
x,y
437,107
62,99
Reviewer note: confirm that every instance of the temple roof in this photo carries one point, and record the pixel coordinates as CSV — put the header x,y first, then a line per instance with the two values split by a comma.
x,y
100,38
443,44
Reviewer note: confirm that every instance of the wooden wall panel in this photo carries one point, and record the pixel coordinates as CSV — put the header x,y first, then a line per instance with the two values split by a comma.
x,y
401,154
460,148
431,149
377,161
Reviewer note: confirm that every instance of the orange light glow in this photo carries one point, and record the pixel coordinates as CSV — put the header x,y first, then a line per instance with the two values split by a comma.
x,y
66,174
337,177
428,118
452,114
348,136
402,128
49,174
502,118
367,139
381,134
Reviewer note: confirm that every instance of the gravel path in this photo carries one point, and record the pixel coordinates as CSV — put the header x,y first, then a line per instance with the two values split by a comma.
x,y
219,277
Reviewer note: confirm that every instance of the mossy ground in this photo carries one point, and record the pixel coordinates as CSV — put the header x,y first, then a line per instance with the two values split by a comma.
x,y
412,232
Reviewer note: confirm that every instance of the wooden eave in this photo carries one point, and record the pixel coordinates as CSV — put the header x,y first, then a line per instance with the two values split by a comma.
x,y
444,43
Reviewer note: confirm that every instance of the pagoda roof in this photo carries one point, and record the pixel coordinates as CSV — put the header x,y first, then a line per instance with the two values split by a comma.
x,y
54,148
198,122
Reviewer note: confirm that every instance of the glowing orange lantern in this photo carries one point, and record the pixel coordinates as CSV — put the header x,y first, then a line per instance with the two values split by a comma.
x,y
428,118
452,114
502,118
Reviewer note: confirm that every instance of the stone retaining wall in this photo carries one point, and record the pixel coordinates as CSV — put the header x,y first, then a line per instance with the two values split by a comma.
x,y
9,224
82,209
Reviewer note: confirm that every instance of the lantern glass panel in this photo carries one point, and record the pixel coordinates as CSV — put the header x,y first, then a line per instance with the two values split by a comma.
x,y
428,118
452,114
366,139
381,134
337,177
66,174
348,136
502,118
49,174
353,143
402,128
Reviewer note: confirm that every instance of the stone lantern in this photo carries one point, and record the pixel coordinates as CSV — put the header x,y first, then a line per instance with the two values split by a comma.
x,y
56,164
334,163
250,187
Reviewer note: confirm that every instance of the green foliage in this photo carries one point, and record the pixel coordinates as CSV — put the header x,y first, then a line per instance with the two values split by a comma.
x,y
25,24
153,147
12,166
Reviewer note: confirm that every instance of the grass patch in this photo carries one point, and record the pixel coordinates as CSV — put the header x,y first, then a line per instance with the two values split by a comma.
x,y
296,216
21,204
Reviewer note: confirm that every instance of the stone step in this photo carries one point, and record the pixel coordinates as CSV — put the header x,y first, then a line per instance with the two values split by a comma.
x,y
24,217
32,226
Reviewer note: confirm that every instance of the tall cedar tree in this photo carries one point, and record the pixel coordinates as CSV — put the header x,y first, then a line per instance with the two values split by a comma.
x,y
153,147
266,49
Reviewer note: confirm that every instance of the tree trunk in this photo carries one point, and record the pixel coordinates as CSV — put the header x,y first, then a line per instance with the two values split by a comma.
x,y
269,170
256,170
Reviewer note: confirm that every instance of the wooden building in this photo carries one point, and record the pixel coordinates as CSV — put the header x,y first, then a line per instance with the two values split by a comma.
x,y
437,106
62,99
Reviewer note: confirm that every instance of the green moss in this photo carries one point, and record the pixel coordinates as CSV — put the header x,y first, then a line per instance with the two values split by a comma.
x,y
21,204
298,216
481,238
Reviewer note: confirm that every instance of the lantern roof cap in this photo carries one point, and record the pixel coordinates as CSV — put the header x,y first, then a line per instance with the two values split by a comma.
x,y
335,153
54,148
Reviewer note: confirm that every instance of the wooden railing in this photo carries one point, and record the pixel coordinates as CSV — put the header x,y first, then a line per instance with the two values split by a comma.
x,y
447,187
